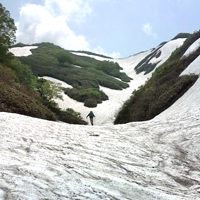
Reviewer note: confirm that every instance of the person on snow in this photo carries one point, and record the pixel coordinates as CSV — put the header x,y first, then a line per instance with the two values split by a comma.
x,y
91,115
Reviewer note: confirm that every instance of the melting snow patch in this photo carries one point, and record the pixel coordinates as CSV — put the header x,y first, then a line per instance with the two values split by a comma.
x,y
22,51
193,68
192,48
62,83
166,51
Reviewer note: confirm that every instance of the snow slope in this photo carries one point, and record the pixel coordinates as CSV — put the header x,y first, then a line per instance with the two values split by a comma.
x,y
156,159
166,51
106,112
158,55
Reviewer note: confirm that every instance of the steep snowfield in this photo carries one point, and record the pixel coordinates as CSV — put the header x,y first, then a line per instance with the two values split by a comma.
x,y
166,51
156,159
192,48
106,112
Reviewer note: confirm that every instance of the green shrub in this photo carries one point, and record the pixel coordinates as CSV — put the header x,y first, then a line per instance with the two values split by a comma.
x,y
182,35
23,73
71,116
12,100
93,54
72,112
90,103
86,94
7,35
112,69
162,89
144,65
90,73
63,58
48,90
7,75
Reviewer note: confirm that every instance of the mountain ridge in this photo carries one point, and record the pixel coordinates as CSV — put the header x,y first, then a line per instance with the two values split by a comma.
x,y
165,86
153,159
160,53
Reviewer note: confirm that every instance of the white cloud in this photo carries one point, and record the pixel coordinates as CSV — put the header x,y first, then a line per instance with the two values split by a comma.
x,y
49,23
72,9
148,29
100,50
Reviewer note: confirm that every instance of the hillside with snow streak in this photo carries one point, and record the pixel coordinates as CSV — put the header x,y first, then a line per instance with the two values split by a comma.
x,y
156,159
106,111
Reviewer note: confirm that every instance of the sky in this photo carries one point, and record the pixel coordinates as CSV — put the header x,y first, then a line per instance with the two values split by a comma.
x,y
112,27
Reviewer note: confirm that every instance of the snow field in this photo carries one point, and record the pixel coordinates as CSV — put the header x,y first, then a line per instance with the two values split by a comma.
x,y
156,159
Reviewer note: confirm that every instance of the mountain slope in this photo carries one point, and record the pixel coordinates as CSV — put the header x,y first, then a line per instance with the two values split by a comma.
x,y
155,159
106,111
85,74
164,87
158,56
15,97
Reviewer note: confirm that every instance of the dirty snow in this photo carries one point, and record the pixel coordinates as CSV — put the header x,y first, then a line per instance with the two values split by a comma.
x,y
153,160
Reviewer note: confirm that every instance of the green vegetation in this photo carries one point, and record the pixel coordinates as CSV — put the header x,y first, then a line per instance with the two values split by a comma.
x,y
144,65
91,53
17,98
7,35
85,74
112,69
64,58
90,96
69,116
163,88
48,90
23,73
182,35
20,91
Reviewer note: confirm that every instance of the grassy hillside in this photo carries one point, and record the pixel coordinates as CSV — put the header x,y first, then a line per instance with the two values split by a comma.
x,y
85,74
17,98
20,91
91,53
163,89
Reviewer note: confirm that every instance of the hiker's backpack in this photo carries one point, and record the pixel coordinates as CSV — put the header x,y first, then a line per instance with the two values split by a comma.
x,y
91,114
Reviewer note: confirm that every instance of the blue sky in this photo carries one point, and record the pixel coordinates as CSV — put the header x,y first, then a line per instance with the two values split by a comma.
x,y
117,28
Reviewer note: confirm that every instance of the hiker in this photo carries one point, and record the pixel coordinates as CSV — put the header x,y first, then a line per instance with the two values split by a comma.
x,y
91,115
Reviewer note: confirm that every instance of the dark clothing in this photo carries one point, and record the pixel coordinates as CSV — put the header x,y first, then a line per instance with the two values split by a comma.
x,y
91,115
